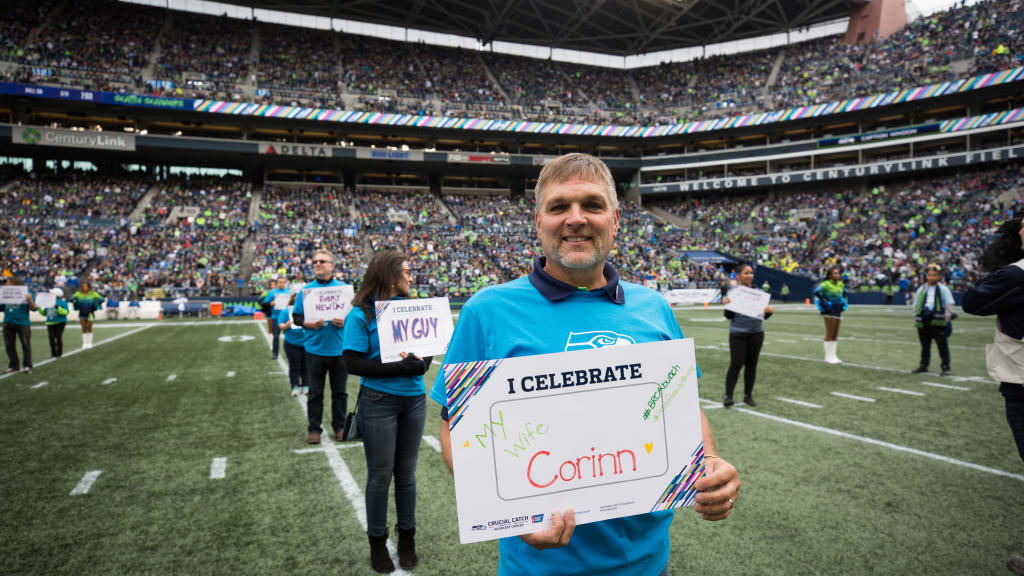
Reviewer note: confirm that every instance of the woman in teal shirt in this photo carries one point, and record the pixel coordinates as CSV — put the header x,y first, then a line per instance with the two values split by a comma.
x,y
56,321
391,414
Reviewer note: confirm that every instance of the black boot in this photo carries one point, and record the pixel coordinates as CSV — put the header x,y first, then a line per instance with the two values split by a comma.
x,y
407,548
728,401
379,557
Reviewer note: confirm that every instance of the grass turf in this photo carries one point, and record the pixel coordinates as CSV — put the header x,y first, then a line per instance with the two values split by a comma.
x,y
811,502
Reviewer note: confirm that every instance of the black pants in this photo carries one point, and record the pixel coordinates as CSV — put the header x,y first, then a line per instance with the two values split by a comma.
x,y
926,335
744,350
319,368
298,374
56,334
275,330
1014,395
23,333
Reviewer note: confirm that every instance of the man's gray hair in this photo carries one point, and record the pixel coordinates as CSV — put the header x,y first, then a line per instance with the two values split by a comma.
x,y
326,252
572,167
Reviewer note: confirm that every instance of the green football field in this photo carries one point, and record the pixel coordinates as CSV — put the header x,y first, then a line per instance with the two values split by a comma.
x,y
107,458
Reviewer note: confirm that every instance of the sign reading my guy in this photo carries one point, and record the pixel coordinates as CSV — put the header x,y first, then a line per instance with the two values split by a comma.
x,y
608,432
13,294
748,301
422,327
327,303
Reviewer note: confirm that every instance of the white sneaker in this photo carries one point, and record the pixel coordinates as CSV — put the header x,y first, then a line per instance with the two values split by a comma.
x,y
295,391
305,390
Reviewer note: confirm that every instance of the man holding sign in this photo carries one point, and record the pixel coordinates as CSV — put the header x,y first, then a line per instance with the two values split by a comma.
x,y
320,308
574,300
15,303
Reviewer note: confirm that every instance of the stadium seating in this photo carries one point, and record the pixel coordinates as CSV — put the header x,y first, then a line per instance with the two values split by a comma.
x,y
212,57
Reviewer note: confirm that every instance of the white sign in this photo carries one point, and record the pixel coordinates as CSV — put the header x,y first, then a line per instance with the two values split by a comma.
x,y
691,296
13,294
327,303
294,325
422,327
281,301
748,301
608,432
46,300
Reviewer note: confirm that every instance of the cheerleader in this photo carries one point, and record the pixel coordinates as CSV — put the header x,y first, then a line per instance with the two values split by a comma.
x,y
830,297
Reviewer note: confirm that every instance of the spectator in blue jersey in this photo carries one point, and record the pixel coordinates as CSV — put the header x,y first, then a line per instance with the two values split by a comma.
x,y
87,301
56,321
746,336
294,336
392,411
18,327
1002,293
830,297
323,345
270,299
933,310
573,288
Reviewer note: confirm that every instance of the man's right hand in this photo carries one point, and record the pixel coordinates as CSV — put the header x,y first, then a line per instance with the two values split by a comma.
x,y
557,535
314,325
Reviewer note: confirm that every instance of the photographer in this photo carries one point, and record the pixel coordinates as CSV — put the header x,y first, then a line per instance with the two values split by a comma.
x,y
933,309
1002,294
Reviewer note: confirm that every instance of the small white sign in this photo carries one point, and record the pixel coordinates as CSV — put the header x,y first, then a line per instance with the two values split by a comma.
x,y
748,301
13,294
281,301
327,303
421,326
609,432
46,300
294,325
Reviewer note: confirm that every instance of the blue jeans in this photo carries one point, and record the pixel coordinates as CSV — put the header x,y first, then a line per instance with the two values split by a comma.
x,y
275,330
391,427
297,374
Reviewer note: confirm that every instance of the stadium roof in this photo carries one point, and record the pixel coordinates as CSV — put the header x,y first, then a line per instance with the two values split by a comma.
x,y
618,27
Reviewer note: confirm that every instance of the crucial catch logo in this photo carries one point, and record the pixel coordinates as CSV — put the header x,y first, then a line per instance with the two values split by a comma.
x,y
596,339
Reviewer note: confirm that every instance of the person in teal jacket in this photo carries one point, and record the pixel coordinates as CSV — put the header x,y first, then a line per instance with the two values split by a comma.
x,y
56,321
87,302
17,326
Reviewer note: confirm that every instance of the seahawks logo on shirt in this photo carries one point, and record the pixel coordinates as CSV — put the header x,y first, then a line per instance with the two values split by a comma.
x,y
596,339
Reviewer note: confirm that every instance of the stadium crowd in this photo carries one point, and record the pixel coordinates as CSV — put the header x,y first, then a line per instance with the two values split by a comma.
x,y
95,45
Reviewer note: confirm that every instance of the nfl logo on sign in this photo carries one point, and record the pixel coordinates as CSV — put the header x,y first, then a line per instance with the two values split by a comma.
x,y
538,518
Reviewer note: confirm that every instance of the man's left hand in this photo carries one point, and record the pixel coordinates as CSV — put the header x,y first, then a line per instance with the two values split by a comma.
x,y
337,322
719,489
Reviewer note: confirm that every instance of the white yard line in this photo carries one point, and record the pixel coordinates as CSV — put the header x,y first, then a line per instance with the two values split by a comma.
x,y
108,381
73,352
231,374
218,467
901,391
337,464
946,386
432,442
853,397
866,366
882,443
86,483
40,385
171,377
799,402
786,341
